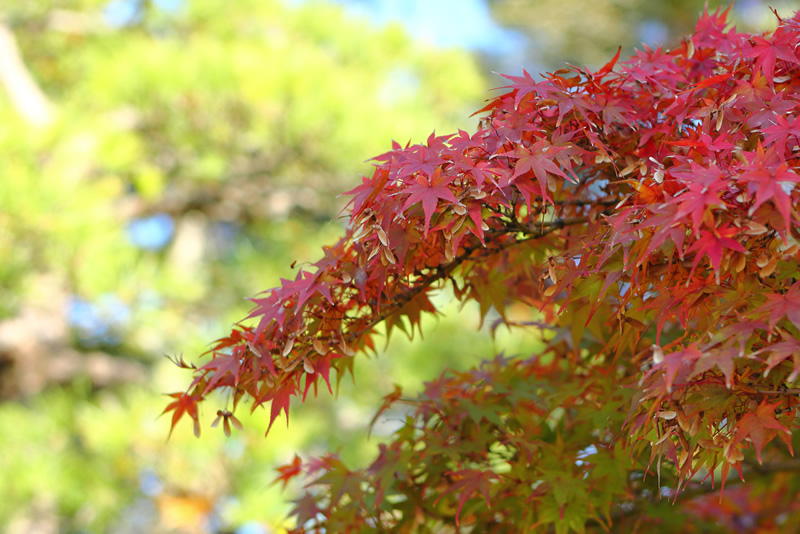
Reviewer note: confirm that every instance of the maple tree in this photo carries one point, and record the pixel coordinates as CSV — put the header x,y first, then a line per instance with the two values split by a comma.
x,y
648,212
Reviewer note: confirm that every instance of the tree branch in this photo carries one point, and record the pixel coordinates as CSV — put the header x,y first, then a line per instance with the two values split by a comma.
x,y
443,271
706,488
787,391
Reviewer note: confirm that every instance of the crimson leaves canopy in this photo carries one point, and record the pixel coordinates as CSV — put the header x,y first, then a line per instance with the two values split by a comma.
x,y
649,211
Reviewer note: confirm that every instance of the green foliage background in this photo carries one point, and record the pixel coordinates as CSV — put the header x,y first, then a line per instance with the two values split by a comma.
x,y
239,123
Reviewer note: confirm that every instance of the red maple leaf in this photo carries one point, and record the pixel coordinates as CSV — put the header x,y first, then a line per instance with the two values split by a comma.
x,y
608,67
281,398
673,362
525,84
704,187
185,404
289,471
321,367
481,170
786,304
784,127
468,482
428,192
780,352
770,178
539,159
767,51
422,158
367,191
759,427
223,365
464,141
512,126
712,243
722,359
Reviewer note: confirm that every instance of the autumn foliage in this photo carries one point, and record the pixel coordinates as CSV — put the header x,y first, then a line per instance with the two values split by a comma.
x,y
648,211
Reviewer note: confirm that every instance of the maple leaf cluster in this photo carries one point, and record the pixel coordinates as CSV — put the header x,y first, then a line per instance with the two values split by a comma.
x,y
648,210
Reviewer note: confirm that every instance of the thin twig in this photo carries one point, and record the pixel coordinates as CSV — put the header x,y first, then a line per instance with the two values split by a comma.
x,y
443,271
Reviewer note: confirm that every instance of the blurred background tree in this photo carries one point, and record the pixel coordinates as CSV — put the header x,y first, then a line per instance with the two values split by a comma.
x,y
162,159
588,32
